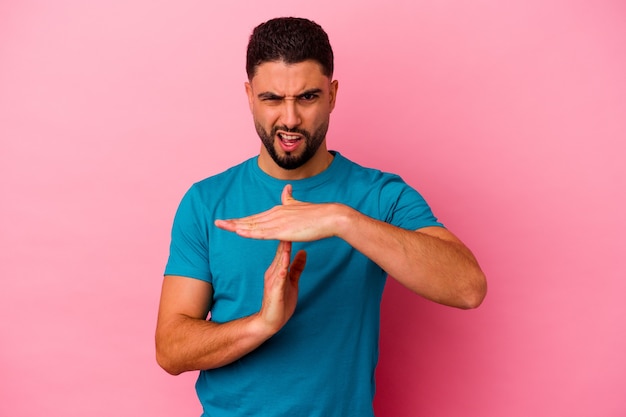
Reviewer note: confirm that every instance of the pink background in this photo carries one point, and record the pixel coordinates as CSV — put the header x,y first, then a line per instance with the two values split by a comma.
x,y
510,118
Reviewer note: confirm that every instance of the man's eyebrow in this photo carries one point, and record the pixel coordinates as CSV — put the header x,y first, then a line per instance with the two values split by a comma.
x,y
310,91
268,95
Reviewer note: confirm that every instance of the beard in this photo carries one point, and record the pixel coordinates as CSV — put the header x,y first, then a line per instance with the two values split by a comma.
x,y
289,161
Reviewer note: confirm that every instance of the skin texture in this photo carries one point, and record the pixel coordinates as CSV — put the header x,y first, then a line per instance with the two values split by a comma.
x,y
294,96
295,101
431,261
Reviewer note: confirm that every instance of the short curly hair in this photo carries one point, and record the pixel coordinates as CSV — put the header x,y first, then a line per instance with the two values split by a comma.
x,y
291,40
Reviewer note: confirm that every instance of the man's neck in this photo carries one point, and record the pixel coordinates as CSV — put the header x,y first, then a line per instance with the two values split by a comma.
x,y
317,164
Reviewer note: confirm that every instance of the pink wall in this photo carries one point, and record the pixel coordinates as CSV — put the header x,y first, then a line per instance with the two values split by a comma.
x,y
510,119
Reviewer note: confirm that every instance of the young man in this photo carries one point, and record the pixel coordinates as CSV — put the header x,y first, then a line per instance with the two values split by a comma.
x,y
289,252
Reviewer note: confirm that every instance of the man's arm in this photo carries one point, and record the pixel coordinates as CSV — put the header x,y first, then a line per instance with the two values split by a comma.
x,y
431,261
186,341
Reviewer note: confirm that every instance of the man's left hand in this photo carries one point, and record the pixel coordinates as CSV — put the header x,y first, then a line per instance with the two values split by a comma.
x,y
293,221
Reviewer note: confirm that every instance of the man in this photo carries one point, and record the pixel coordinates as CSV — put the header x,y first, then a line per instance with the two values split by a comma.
x,y
289,252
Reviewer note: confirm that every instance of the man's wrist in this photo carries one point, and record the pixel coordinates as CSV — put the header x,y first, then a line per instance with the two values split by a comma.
x,y
344,220
259,328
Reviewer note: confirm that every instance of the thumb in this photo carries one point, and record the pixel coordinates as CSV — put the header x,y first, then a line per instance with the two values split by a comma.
x,y
297,266
286,197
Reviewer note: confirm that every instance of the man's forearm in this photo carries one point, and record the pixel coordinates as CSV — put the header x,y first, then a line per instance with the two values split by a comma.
x,y
187,343
431,262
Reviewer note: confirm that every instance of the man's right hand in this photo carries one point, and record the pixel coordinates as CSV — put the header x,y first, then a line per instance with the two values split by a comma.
x,y
186,341
280,294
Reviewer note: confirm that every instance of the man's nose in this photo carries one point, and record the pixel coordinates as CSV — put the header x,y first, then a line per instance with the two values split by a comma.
x,y
291,115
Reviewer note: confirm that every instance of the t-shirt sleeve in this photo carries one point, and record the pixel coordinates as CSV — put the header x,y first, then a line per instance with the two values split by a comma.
x,y
189,247
404,207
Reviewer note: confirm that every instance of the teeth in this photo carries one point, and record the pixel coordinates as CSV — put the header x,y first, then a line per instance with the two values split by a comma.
x,y
289,137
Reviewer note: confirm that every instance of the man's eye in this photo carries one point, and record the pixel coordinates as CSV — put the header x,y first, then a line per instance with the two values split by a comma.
x,y
271,100
308,97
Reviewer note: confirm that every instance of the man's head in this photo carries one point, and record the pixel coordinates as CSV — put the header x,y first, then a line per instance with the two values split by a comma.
x,y
291,95
290,40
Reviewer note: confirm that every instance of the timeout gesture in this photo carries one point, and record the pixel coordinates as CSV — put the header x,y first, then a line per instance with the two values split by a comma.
x,y
293,221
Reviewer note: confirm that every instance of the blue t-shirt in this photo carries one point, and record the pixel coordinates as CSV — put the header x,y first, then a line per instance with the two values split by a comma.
x,y
321,363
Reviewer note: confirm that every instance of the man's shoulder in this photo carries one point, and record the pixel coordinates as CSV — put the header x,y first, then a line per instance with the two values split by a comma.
x,y
224,177
216,186
365,173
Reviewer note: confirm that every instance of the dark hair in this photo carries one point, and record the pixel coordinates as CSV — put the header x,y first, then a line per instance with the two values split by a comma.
x,y
291,40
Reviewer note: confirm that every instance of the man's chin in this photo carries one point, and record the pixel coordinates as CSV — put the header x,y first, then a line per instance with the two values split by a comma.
x,y
289,162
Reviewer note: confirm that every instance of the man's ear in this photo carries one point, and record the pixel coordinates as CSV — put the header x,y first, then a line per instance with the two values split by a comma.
x,y
334,86
249,94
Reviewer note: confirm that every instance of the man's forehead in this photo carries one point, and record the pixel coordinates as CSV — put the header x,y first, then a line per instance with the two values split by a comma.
x,y
277,76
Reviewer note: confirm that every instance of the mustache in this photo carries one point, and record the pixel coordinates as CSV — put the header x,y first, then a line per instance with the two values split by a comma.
x,y
302,132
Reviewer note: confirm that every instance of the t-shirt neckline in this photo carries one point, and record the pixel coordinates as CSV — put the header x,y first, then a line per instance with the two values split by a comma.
x,y
305,183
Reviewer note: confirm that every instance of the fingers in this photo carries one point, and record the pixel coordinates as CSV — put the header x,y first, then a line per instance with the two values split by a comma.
x,y
251,222
245,226
226,225
282,222
280,265
280,294
297,266
248,223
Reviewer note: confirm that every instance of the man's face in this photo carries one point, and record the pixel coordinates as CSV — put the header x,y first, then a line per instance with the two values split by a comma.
x,y
291,105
